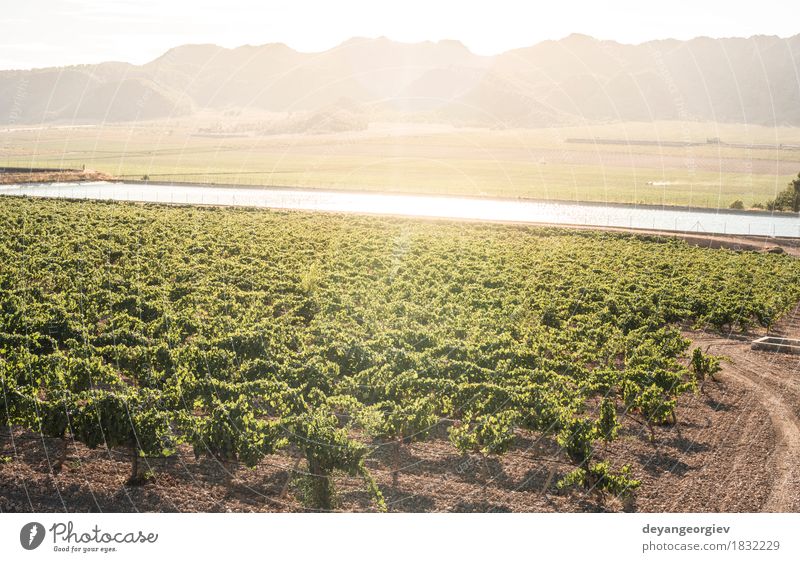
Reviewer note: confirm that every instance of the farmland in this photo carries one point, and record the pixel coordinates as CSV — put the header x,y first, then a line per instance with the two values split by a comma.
x,y
433,158
336,347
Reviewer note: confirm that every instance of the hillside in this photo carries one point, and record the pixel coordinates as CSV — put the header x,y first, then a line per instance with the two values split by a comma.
x,y
752,80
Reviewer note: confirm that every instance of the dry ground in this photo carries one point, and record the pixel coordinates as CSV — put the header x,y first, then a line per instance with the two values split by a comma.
x,y
48,177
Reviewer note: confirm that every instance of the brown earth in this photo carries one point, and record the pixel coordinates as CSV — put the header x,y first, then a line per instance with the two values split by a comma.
x,y
51,177
772,380
790,246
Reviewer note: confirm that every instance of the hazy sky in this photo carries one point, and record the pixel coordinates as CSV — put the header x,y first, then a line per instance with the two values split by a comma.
x,y
37,33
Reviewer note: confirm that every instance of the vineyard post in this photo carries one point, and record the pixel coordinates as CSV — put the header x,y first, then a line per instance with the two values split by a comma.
x,y
321,485
293,470
398,443
485,475
675,424
549,480
62,457
137,478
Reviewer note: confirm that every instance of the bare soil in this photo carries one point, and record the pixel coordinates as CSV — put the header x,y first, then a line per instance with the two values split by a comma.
x,y
772,380
51,177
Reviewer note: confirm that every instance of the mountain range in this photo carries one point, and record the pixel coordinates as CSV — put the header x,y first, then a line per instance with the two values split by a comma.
x,y
752,80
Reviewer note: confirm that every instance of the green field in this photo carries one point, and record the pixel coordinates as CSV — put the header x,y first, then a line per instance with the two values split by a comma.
x,y
420,158
245,333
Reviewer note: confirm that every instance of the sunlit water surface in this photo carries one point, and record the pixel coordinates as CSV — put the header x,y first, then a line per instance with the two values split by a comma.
x,y
628,216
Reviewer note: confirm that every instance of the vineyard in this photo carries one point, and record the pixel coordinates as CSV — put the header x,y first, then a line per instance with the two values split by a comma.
x,y
243,333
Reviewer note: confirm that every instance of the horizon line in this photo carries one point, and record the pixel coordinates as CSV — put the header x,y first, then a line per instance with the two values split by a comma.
x,y
344,42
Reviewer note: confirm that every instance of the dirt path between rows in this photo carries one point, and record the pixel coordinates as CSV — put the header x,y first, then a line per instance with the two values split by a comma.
x,y
771,379
788,246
